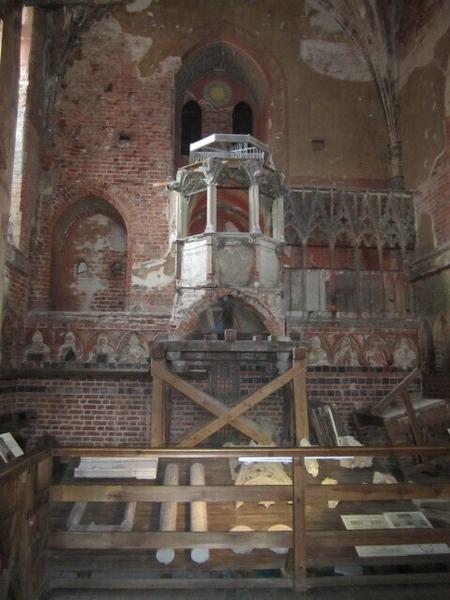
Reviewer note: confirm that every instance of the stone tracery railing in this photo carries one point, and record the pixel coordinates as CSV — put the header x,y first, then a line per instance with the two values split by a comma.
x,y
382,219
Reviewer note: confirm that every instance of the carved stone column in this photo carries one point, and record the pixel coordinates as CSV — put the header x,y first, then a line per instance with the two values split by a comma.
x,y
254,171
211,169
278,218
396,181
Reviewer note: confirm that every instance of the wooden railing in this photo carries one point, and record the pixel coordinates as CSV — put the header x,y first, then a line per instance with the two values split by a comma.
x,y
314,542
24,508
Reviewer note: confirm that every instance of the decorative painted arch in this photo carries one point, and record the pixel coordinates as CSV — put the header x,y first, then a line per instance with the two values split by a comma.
x,y
273,325
270,73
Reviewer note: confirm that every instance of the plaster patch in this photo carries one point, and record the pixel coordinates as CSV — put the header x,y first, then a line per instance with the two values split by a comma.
x,y
171,64
321,18
335,59
86,289
422,51
110,30
138,5
149,275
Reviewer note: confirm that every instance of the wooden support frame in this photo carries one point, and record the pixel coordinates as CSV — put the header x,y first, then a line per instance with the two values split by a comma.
x,y
227,415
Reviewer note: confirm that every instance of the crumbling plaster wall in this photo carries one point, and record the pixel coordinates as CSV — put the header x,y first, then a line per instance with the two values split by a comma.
x,y
326,86
425,119
114,117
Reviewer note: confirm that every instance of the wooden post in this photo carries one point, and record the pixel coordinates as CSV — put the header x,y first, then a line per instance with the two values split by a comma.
x,y
158,424
300,397
299,515
25,576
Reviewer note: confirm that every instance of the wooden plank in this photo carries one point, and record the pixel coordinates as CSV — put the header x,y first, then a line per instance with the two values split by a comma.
x,y
417,434
177,540
145,560
160,493
392,579
368,492
24,566
300,402
176,584
211,346
341,559
232,414
299,519
215,453
244,425
375,537
157,431
13,545
378,408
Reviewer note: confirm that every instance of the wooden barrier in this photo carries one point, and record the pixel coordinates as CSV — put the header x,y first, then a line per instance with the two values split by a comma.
x,y
30,543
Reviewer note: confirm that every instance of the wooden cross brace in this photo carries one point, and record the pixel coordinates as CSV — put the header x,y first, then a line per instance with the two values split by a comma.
x,y
224,415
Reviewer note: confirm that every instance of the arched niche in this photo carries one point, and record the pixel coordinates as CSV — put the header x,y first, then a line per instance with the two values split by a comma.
x,y
232,213
229,313
427,354
89,258
442,344
220,77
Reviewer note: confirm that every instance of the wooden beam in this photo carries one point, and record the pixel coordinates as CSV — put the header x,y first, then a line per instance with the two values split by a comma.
x,y
231,415
157,430
211,346
374,537
208,403
389,579
417,434
150,540
300,402
150,584
378,408
200,433
214,453
177,493
369,492
299,518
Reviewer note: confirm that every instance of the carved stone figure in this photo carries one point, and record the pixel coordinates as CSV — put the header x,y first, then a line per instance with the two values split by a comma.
x,y
405,356
317,355
102,352
376,354
262,474
68,350
134,353
37,350
346,355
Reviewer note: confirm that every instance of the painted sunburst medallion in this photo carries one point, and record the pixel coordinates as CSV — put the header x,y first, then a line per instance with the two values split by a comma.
x,y
217,93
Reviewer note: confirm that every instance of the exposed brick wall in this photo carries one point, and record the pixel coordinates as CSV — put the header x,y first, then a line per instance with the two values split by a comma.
x,y
101,410
8,391
436,386
86,158
352,388
97,412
